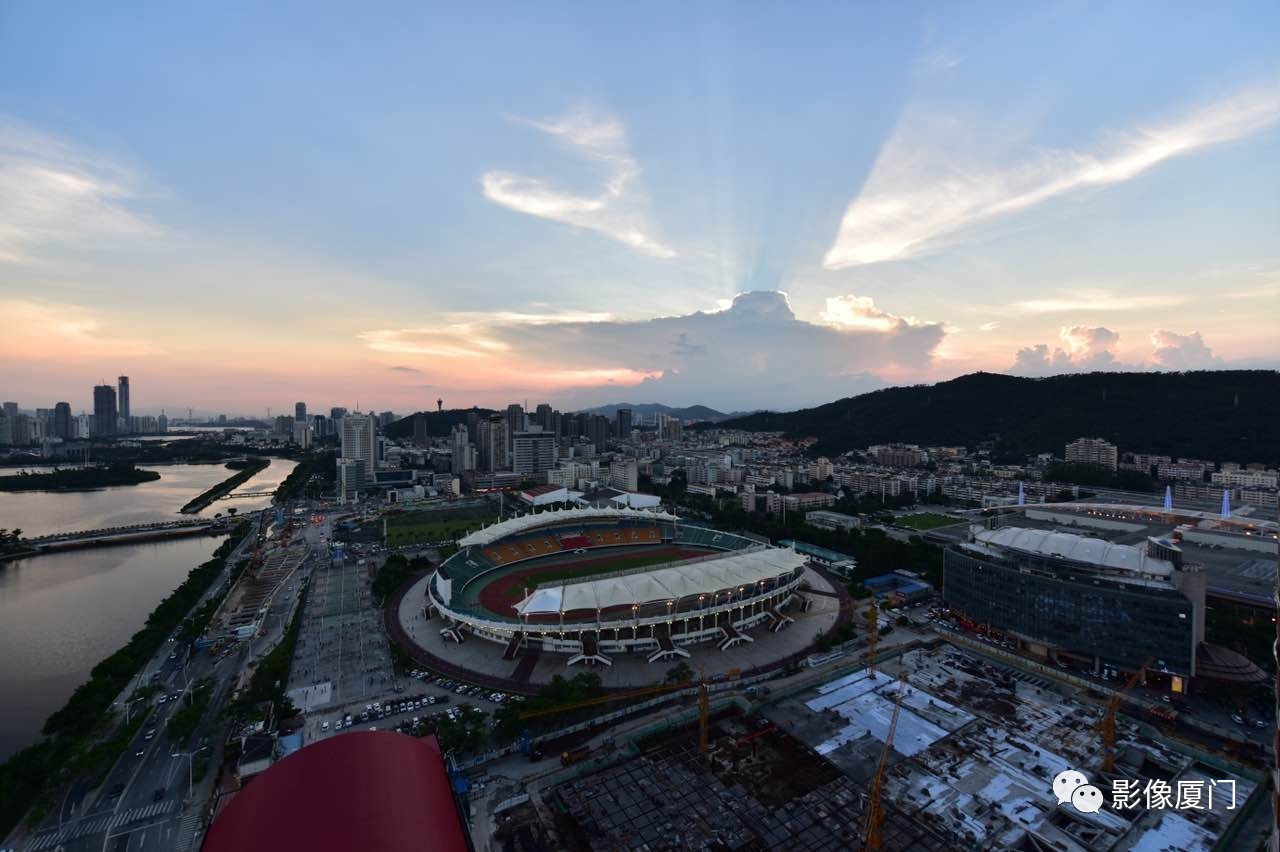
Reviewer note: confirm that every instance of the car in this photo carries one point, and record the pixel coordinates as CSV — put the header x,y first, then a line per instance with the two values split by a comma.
x,y
579,551
324,726
1237,718
1258,723
1166,699
162,699
140,752
150,735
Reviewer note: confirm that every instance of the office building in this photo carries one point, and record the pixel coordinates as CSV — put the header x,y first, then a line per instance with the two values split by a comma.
x,y
300,412
386,418
624,423
11,410
337,413
624,475
515,422
1104,603
105,413
284,426
827,520
534,452
463,452
492,444
544,417
62,427
352,479
1094,451
302,433
420,435
162,422
897,455
598,430
123,400
360,441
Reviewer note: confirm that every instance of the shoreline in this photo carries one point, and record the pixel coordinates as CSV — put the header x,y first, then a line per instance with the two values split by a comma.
x,y
255,466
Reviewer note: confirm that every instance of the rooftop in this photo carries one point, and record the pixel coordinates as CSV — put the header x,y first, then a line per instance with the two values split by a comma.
x,y
1077,548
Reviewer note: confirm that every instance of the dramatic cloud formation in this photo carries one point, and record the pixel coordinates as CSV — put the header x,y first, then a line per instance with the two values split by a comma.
x,y
1181,351
918,194
1086,349
754,350
54,193
620,210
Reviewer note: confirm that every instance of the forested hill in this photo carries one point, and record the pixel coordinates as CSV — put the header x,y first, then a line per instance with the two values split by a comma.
x,y
1222,415
439,423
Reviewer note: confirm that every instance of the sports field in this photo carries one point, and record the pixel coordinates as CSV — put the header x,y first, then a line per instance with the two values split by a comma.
x,y
925,521
508,586
437,525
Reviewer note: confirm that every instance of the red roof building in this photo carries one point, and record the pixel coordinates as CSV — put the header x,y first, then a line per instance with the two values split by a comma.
x,y
367,790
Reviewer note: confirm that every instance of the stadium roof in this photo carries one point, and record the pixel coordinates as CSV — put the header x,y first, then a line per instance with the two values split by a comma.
x,y
363,790
1077,548
523,523
672,583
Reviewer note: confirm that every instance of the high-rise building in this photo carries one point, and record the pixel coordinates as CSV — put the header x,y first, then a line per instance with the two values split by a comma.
x,y
124,412
11,410
515,422
1093,451
624,474
352,478
386,418
284,426
420,435
104,410
463,459
492,446
360,441
162,422
6,429
534,453
473,426
300,412
302,433
336,414
624,423
598,431
62,421
543,417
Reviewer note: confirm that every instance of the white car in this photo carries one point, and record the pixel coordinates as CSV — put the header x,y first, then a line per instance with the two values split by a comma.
x,y
324,726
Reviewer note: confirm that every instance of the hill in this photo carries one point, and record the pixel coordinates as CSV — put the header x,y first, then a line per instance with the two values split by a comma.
x,y
646,410
439,423
1222,415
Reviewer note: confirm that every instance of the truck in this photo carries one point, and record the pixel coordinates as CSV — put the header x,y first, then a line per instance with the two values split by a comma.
x,y
569,758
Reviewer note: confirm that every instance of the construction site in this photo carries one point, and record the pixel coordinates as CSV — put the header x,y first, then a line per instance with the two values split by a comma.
x,y
241,614
940,748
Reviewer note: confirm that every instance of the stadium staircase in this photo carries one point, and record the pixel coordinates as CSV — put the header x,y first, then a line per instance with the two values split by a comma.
x,y
514,646
453,632
778,620
667,649
732,635
590,650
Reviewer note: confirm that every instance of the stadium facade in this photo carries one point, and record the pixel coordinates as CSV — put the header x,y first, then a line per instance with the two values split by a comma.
x,y
1064,594
734,584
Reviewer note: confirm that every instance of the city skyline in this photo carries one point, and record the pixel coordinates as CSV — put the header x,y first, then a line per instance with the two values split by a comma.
x,y
743,213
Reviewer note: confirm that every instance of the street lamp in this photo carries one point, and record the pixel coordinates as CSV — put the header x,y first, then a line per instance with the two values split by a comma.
x,y
190,756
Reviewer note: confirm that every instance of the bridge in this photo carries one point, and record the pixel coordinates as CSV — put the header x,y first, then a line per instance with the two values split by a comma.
x,y
236,495
130,534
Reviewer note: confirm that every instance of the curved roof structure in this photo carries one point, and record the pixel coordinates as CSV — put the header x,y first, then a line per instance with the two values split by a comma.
x,y
366,790
523,523
672,583
1077,548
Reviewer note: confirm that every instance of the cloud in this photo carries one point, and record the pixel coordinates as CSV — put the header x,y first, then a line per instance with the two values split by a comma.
x,y
1181,351
1095,301
53,193
619,210
989,326
756,352
402,369
1087,349
1083,349
919,195
70,331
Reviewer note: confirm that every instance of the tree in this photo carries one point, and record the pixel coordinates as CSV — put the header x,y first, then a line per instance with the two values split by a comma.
x,y
679,673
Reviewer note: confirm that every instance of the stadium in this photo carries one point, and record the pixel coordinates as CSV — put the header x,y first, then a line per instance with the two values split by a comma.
x,y
593,583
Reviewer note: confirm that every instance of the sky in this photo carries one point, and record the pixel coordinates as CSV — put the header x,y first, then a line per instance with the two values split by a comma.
x,y
741,205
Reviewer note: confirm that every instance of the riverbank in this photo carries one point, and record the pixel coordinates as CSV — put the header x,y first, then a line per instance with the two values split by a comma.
x,y
78,479
252,468
75,734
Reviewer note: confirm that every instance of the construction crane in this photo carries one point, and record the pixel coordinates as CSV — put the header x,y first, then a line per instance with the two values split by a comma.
x,y
873,633
875,812
1107,724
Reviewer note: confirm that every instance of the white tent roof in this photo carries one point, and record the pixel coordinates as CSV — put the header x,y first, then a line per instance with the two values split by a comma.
x,y
523,523
678,581
1078,548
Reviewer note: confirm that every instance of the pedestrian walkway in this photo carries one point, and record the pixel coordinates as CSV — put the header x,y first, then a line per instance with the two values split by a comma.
x,y
99,823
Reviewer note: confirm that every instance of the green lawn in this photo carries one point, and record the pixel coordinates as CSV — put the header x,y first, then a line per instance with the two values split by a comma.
x,y
925,521
572,572
413,527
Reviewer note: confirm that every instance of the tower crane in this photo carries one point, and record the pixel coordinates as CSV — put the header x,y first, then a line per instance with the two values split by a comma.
x,y
1107,724
875,812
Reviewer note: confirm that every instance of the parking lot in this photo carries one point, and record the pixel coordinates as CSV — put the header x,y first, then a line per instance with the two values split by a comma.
x,y
342,656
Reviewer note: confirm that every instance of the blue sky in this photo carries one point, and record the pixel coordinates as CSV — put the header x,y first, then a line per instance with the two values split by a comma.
x,y
241,206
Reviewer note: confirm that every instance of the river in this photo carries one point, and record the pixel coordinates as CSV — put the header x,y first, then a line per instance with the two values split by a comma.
x,y
62,613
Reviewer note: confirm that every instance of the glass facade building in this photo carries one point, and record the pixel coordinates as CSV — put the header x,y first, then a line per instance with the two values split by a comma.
x,y
1073,606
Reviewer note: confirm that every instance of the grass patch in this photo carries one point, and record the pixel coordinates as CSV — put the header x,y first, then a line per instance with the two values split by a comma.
x,y
430,526
572,572
925,521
